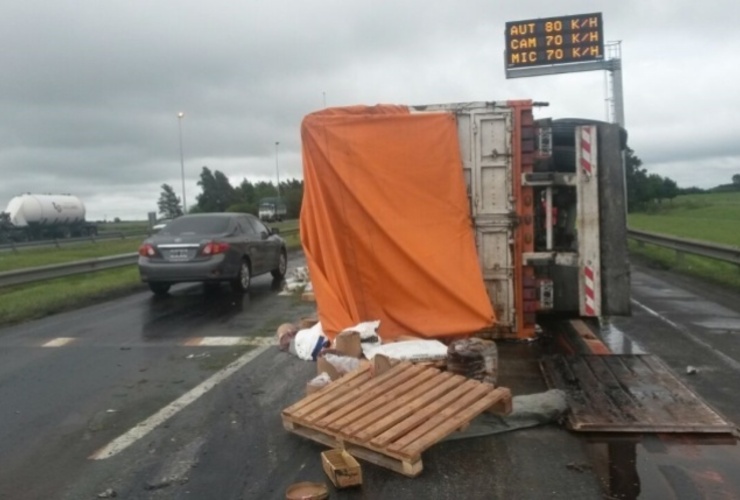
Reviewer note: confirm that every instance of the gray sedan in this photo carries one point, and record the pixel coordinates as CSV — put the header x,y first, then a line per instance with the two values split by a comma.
x,y
212,248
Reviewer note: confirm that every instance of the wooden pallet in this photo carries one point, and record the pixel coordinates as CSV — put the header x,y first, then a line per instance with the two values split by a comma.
x,y
630,393
390,419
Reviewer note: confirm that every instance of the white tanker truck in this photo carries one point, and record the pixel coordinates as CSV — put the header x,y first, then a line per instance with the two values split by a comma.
x,y
44,216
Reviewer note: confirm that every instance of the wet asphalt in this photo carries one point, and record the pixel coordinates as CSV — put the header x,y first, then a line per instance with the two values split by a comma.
x,y
131,357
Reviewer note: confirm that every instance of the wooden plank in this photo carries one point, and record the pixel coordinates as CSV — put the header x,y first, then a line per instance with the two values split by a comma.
x,y
441,426
377,422
558,375
631,393
350,402
422,415
334,401
614,390
336,421
410,468
431,419
336,387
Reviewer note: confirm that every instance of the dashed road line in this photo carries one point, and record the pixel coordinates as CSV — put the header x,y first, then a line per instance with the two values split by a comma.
x,y
146,426
190,342
59,342
228,341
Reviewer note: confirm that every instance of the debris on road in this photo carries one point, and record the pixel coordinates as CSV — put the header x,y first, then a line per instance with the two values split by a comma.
x,y
409,350
474,358
579,467
285,335
691,370
109,493
318,382
336,365
158,484
307,491
529,410
390,419
309,342
341,468
296,281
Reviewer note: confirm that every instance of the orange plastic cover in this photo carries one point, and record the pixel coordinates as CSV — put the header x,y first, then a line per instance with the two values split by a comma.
x,y
385,224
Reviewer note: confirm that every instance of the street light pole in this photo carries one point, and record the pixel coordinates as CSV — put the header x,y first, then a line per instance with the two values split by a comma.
x,y
180,116
277,170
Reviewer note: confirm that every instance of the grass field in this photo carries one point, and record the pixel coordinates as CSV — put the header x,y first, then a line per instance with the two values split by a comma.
x,y
34,257
709,217
48,297
713,217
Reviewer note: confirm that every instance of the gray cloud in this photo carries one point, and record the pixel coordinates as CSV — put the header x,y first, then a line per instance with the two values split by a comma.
x,y
90,91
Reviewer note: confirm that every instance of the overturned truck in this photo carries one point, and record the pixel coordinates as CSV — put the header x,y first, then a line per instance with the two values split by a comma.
x,y
454,219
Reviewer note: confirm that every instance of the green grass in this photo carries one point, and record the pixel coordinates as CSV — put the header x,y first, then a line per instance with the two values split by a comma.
x,y
34,257
133,226
712,217
41,299
711,270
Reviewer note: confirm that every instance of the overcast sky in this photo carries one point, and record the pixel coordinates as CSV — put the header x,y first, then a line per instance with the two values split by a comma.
x,y
90,90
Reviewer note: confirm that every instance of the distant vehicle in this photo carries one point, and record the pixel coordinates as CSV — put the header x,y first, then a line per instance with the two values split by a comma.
x,y
212,248
44,216
272,210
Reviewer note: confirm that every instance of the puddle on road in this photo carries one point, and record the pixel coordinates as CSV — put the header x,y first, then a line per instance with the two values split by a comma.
x,y
666,466
618,341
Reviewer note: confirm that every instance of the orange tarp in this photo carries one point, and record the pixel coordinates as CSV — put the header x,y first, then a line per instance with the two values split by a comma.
x,y
385,224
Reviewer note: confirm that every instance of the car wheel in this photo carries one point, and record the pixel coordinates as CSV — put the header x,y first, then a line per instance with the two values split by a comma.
x,y
159,288
243,279
279,272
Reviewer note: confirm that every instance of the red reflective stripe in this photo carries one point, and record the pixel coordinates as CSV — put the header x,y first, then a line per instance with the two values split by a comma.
x,y
589,291
586,148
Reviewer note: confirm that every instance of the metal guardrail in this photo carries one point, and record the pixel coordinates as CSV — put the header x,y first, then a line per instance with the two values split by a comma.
x,y
15,246
34,274
725,253
42,273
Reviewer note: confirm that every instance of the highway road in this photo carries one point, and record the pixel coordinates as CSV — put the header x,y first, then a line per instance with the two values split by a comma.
x,y
180,398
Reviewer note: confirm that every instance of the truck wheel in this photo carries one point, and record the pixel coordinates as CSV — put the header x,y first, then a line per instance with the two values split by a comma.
x,y
243,279
279,272
159,288
563,131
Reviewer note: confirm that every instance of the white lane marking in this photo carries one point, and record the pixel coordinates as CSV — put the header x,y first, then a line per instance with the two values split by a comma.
x,y
146,426
690,336
59,342
229,341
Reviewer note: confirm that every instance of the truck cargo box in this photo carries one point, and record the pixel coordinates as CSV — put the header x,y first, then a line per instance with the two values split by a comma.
x,y
401,201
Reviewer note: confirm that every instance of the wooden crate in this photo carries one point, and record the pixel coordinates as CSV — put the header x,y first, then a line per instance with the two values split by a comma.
x,y
390,419
341,468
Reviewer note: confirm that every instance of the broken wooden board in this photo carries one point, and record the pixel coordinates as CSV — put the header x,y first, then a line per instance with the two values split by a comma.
x,y
390,419
629,393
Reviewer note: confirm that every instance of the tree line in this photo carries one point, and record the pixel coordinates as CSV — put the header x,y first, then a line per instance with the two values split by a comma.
x,y
218,195
645,189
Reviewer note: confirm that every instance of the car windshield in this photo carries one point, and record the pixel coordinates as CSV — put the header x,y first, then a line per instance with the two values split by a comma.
x,y
197,225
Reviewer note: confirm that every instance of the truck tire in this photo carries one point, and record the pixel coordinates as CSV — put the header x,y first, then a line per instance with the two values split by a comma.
x,y
563,131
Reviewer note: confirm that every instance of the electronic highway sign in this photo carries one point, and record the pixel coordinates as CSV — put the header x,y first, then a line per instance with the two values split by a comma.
x,y
554,41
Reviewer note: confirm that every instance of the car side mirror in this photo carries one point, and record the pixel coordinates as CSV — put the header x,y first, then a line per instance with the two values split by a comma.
x,y
264,235
274,230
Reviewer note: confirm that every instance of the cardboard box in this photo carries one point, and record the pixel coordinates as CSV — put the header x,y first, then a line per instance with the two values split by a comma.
x,y
348,344
323,366
342,468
